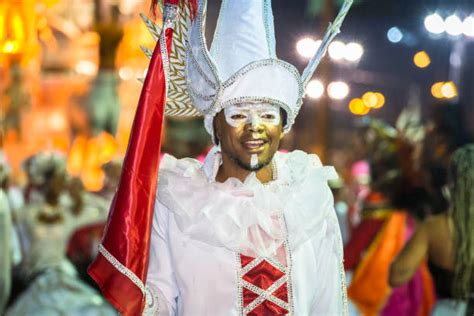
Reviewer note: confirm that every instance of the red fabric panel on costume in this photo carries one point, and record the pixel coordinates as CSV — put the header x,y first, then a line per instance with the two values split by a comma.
x,y
127,234
248,296
245,260
263,275
282,293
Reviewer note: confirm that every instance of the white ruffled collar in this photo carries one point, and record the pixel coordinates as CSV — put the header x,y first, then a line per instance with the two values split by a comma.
x,y
246,216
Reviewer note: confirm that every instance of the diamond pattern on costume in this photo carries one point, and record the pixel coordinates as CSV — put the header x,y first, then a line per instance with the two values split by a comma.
x,y
264,285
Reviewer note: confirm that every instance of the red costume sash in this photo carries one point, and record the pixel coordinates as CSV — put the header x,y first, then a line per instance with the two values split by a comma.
x,y
121,267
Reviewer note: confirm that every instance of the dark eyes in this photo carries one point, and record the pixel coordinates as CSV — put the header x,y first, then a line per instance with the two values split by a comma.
x,y
268,116
238,117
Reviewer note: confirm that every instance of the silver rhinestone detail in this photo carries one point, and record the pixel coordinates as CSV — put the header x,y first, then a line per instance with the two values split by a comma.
x,y
240,285
122,269
152,306
277,265
199,69
265,294
345,308
269,27
289,266
165,59
250,266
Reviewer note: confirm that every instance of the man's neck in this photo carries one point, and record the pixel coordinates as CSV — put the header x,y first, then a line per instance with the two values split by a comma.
x,y
230,169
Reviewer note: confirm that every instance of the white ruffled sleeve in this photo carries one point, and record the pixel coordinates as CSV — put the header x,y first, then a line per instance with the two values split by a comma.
x,y
331,297
162,291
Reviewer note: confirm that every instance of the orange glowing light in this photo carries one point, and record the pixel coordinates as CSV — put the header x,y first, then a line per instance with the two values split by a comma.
x,y
436,90
57,121
108,148
357,107
18,38
93,179
14,33
76,155
422,59
50,3
88,155
369,99
380,100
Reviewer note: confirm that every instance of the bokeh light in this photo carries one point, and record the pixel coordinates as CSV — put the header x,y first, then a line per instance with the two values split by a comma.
x,y
453,25
357,107
373,100
436,90
86,67
126,73
315,89
444,90
354,52
337,50
307,47
422,59
434,23
338,90
369,99
468,26
380,100
394,35
449,90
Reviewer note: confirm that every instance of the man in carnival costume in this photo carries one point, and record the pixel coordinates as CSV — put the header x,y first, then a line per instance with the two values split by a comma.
x,y
250,231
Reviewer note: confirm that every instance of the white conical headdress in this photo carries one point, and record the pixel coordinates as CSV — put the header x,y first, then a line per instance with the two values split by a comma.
x,y
241,66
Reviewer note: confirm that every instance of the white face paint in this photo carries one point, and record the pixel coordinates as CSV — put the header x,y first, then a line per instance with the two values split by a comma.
x,y
254,114
260,119
254,161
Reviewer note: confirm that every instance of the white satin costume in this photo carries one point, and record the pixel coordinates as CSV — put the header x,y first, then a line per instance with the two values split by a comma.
x,y
213,242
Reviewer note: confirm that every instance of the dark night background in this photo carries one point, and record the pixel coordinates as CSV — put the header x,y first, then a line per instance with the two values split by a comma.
x,y
385,66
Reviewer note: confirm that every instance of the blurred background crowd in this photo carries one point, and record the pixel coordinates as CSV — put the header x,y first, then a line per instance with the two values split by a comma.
x,y
391,108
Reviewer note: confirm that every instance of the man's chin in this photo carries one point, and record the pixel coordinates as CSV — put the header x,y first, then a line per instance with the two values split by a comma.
x,y
247,166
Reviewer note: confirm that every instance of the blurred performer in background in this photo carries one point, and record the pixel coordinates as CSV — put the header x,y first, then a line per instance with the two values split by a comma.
x,y
247,211
6,231
448,241
49,218
390,211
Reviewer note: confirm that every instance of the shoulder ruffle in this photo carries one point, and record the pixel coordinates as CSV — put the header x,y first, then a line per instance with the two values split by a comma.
x,y
246,216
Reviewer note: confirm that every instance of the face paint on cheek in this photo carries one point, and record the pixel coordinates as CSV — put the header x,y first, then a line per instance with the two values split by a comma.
x,y
254,161
236,116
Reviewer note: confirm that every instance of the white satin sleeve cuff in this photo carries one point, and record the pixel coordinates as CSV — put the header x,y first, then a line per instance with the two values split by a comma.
x,y
162,290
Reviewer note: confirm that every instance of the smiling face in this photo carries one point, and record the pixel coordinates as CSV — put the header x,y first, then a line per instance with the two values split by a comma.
x,y
249,134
